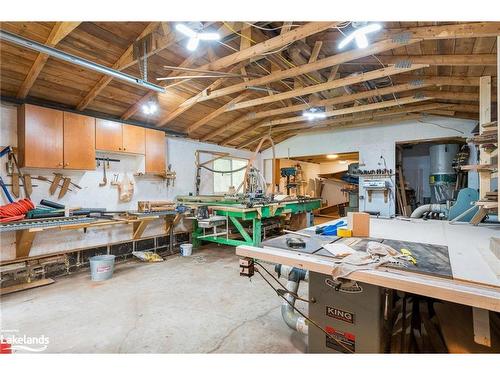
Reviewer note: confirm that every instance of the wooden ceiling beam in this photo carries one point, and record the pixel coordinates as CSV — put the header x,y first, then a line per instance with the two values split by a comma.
x,y
341,99
105,79
352,109
58,33
438,60
216,113
364,116
362,77
189,61
246,54
458,31
456,96
307,68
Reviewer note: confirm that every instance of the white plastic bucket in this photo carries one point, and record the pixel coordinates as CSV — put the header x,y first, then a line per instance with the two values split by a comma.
x,y
186,249
101,267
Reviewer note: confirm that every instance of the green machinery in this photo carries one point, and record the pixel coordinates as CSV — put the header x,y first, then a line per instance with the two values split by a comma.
x,y
240,216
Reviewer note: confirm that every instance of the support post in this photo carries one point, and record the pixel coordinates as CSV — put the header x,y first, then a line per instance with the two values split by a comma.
x,y
24,241
484,117
257,227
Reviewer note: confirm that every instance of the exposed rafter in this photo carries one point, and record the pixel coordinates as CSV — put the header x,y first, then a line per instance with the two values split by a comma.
x,y
118,65
58,33
362,77
246,54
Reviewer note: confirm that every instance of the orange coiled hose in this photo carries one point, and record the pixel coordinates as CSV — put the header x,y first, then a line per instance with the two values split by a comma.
x,y
15,211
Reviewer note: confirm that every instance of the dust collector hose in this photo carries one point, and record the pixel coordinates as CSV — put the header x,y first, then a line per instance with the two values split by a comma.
x,y
293,319
436,208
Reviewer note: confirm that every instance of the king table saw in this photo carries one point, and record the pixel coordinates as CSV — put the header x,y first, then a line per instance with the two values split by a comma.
x,y
454,263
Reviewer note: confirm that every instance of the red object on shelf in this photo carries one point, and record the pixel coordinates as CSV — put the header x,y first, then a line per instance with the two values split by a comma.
x,y
15,211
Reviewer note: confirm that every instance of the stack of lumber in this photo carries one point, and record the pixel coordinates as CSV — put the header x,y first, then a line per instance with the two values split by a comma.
x,y
153,206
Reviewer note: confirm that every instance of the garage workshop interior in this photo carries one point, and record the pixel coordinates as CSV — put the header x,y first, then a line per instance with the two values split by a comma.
x,y
249,186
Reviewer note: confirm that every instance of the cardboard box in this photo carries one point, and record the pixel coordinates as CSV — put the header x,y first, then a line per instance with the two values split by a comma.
x,y
359,223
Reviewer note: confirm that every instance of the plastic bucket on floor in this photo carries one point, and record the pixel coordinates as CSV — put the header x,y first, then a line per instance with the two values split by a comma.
x,y
101,267
186,249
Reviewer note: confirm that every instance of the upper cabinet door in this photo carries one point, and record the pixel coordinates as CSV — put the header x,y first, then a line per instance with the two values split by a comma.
x,y
108,135
155,151
40,137
133,139
79,141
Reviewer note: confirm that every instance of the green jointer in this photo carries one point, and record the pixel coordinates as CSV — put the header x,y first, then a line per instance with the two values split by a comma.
x,y
238,216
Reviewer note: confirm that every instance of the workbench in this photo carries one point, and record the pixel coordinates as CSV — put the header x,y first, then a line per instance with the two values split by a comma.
x,y
26,230
475,276
237,214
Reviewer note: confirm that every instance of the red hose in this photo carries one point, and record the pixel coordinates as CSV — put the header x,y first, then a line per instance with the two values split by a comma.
x,y
15,211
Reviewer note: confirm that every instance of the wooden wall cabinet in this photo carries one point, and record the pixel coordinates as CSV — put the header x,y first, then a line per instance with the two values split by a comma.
x,y
133,139
108,135
52,139
79,141
155,155
40,137
118,137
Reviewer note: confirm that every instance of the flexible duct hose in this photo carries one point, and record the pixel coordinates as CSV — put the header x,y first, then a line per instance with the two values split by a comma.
x,y
15,211
292,319
420,211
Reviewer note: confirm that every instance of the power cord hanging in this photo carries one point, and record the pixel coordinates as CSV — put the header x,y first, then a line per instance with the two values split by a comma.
x,y
300,312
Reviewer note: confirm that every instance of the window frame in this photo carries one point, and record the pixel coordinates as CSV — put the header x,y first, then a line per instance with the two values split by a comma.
x,y
231,159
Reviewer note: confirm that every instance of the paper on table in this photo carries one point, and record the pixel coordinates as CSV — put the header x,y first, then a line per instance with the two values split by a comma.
x,y
338,250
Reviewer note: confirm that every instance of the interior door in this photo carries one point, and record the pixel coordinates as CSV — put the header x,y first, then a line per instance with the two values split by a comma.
x,y
108,135
79,141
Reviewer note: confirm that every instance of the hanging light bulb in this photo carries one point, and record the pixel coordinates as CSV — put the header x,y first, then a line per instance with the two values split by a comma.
x,y
149,108
194,36
314,113
359,35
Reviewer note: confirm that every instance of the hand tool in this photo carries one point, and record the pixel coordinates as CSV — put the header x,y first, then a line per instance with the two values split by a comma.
x,y
104,178
10,151
55,183
27,181
330,230
65,186
15,185
72,183
47,203
409,255
295,243
42,178
6,191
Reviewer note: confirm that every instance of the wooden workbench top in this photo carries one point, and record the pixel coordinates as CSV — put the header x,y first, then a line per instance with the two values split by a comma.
x,y
475,273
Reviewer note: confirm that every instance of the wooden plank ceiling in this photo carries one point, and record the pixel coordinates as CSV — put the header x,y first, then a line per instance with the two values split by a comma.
x,y
279,70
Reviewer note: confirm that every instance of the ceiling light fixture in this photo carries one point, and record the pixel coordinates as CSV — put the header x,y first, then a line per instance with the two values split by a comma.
x,y
149,108
359,35
332,156
314,113
194,36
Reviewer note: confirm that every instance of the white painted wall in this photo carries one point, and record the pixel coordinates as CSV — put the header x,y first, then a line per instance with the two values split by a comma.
x,y
180,153
372,142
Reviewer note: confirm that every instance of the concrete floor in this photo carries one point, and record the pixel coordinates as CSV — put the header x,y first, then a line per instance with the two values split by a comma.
x,y
196,304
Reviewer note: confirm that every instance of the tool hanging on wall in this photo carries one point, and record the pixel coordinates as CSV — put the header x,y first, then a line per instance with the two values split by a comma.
x,y
12,156
104,178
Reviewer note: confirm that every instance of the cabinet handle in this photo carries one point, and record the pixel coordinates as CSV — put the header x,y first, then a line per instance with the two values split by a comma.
x,y
119,148
124,149
66,164
60,164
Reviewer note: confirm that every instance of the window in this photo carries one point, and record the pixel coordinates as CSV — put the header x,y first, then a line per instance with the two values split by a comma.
x,y
222,181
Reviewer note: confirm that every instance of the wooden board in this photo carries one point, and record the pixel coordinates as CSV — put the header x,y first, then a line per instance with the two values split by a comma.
x,y
25,286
